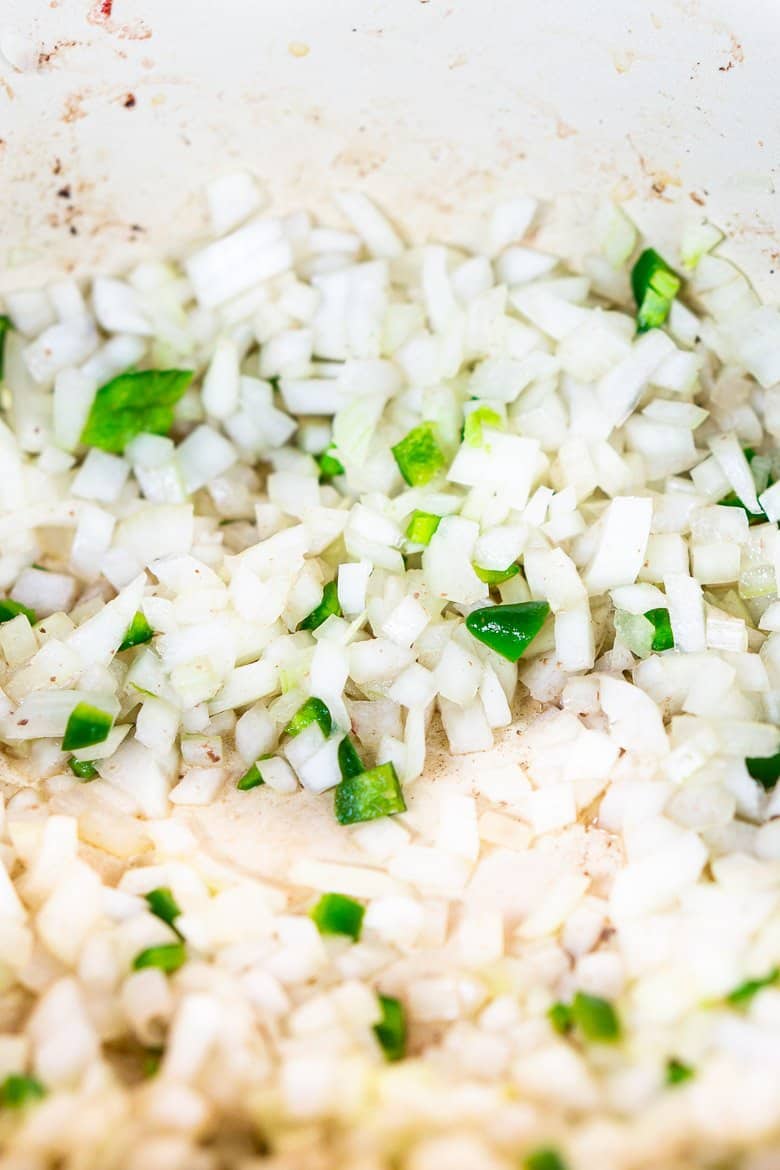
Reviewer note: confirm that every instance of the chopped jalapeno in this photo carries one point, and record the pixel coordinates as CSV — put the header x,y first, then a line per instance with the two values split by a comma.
x,y
655,285
5,327
250,779
421,527
163,905
134,402
677,1073
138,632
497,576
744,993
419,456
764,769
167,956
328,606
391,1029
312,711
10,609
508,629
84,769
18,1090
559,1015
475,420
338,914
371,794
86,726
350,762
329,465
663,638
545,1158
596,1018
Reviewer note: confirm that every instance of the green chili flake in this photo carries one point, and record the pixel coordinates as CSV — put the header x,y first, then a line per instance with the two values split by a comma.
x,y
163,905
475,420
655,285
663,638
312,711
508,629
329,465
10,609
338,914
350,762
5,327
138,632
678,1073
167,957
596,1018
545,1158
86,726
84,769
560,1016
371,794
497,576
250,779
18,1090
391,1029
419,456
328,606
764,769
421,527
742,995
140,401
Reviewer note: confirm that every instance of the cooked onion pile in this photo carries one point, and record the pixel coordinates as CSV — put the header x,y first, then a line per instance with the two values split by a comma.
x,y
390,668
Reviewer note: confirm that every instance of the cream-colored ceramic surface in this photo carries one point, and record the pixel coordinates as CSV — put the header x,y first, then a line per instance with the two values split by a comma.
x,y
437,107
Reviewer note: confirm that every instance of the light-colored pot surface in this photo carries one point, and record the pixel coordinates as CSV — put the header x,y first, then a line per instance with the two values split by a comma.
x,y
435,107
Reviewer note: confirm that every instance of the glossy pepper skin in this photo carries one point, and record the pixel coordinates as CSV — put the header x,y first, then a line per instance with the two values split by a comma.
x,y
368,795
508,629
654,285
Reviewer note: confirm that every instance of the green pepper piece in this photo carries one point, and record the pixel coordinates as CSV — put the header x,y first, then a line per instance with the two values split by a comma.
x,y
328,606
508,629
741,996
421,527
329,465
371,794
250,779
497,576
475,420
84,769
350,762
138,632
677,1073
764,769
139,401
5,327
559,1015
655,285
663,638
18,1090
167,957
596,1018
163,905
10,609
312,711
391,1029
338,914
418,455
545,1158
86,726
